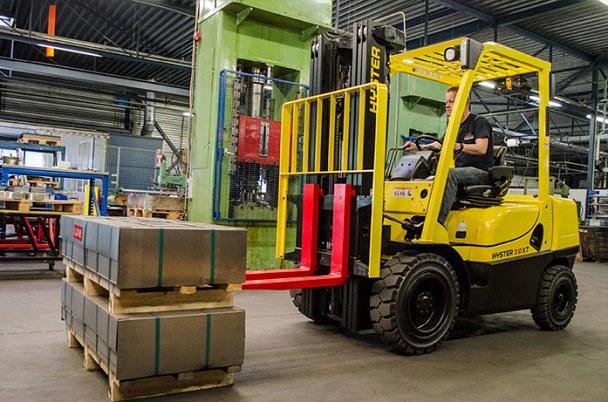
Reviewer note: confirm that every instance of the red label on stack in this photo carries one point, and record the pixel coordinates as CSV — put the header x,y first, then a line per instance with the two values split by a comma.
x,y
78,232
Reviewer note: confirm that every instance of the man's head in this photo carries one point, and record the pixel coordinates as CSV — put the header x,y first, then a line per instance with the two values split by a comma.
x,y
450,97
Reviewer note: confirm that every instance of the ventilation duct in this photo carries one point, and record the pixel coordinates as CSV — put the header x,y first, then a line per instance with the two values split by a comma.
x,y
149,118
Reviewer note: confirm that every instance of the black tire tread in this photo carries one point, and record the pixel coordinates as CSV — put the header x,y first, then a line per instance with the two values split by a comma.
x,y
541,312
384,298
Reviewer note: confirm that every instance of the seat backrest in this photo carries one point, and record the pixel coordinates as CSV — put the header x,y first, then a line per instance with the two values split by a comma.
x,y
499,155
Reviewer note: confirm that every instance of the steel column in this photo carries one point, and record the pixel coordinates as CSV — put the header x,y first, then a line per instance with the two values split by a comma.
x,y
592,125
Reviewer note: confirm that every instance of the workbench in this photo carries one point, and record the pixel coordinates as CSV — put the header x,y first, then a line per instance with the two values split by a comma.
x,y
7,170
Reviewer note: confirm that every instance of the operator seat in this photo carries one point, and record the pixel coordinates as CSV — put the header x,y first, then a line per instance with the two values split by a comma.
x,y
492,192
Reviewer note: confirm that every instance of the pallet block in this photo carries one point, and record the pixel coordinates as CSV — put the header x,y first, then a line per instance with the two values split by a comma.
x,y
126,301
147,213
39,139
153,386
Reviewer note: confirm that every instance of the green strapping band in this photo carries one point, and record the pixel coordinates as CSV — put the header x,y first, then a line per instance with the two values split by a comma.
x,y
96,323
212,262
208,341
97,251
108,339
161,251
84,244
157,347
84,306
110,256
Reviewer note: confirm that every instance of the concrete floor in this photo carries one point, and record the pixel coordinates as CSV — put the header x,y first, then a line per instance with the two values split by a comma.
x,y
501,357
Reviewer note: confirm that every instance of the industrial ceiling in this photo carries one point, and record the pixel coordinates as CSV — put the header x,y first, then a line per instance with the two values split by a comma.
x,y
152,39
147,45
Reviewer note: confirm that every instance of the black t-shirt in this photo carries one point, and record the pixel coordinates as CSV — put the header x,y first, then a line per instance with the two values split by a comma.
x,y
472,128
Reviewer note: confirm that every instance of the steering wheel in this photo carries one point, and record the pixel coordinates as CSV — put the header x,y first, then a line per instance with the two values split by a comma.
x,y
426,137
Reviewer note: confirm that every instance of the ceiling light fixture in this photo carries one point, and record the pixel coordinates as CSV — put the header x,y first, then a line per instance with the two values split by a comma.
x,y
599,119
551,103
6,22
65,49
487,84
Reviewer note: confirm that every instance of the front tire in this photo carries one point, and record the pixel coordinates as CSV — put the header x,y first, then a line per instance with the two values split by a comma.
x,y
415,303
556,298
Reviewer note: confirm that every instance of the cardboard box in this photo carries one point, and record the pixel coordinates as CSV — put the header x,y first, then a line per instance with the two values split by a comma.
x,y
144,345
137,253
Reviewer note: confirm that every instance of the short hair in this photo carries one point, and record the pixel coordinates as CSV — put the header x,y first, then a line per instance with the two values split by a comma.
x,y
455,89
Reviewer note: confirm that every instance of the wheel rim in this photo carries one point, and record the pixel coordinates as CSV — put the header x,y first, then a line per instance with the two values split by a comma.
x,y
427,303
562,299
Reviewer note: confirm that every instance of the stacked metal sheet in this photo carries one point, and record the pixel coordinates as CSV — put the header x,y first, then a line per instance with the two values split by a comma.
x,y
135,253
107,257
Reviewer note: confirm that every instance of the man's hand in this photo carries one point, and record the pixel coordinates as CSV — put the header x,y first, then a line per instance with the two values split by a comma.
x,y
408,146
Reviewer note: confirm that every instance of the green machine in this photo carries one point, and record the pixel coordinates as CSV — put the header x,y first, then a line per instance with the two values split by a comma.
x,y
252,56
417,107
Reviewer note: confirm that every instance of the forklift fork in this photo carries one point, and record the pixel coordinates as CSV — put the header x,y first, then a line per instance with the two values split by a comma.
x,y
304,277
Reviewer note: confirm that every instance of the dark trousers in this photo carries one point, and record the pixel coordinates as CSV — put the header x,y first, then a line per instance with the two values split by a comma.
x,y
462,176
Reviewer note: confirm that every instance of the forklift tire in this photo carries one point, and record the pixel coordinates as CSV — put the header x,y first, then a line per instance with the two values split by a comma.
x,y
556,298
415,303
296,297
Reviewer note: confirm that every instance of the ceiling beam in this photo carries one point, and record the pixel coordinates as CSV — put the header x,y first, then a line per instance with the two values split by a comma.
x,y
457,31
42,39
46,70
433,15
463,8
537,12
488,18
564,83
168,5
544,39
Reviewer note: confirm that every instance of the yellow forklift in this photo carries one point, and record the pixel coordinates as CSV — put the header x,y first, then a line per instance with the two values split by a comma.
x,y
359,262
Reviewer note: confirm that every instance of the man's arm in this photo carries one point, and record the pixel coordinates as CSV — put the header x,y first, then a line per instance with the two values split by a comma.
x,y
479,148
411,146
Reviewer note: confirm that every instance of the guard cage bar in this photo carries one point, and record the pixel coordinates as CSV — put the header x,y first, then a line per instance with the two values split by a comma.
x,y
247,145
344,156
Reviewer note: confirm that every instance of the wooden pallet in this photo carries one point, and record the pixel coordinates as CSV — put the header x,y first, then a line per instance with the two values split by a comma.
x,y
39,139
55,206
126,301
147,213
121,390
64,207
43,183
9,204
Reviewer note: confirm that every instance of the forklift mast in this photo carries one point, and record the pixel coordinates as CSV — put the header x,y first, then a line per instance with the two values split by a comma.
x,y
334,211
346,59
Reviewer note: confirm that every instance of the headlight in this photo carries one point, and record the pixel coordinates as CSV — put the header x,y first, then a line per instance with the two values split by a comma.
x,y
452,53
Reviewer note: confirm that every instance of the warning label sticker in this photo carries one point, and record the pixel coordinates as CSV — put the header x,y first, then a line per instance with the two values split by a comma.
x,y
402,192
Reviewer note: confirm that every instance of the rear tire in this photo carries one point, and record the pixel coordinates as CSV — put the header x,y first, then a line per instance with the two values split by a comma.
x,y
310,308
296,297
556,298
415,303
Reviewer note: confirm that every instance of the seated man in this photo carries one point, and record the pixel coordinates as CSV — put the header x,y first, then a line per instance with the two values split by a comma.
x,y
473,154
